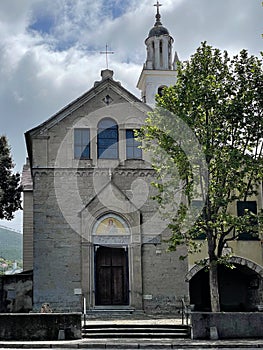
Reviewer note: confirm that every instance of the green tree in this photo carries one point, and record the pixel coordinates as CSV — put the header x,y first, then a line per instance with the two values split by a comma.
x,y
10,188
205,137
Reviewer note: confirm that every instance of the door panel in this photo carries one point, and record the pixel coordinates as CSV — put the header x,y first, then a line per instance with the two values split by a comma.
x,y
104,283
117,285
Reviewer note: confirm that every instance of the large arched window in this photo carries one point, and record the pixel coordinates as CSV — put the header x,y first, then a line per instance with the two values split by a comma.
x,y
107,139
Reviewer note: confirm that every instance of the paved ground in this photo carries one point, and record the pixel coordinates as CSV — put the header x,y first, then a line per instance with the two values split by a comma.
x,y
137,344
136,320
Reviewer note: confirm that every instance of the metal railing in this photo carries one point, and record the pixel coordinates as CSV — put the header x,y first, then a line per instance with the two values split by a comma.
x,y
186,312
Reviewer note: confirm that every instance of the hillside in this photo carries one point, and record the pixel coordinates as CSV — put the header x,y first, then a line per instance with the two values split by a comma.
x,y
10,244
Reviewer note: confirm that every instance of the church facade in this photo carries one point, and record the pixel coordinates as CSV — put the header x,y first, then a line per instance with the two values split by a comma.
x,y
92,232
96,232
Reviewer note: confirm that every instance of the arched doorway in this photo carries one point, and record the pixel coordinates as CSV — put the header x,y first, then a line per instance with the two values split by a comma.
x,y
111,261
238,288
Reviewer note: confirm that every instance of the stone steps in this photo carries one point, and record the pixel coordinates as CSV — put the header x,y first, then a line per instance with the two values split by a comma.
x,y
140,331
99,313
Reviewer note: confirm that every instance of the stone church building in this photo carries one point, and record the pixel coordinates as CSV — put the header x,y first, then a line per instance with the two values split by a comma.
x,y
91,229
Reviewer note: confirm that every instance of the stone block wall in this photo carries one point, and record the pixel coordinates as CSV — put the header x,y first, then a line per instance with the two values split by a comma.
x,y
57,256
65,187
229,325
163,279
39,326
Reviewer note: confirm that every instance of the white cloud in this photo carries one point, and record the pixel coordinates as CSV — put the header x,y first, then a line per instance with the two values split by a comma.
x,y
14,14
49,49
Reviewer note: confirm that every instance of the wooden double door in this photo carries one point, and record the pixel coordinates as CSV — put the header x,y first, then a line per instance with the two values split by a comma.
x,y
111,276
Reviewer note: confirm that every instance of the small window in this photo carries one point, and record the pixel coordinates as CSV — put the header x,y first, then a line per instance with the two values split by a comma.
x,y
81,143
132,146
242,208
107,139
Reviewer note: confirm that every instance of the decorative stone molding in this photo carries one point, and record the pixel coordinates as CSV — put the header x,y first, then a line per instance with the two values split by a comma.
x,y
135,173
92,172
111,240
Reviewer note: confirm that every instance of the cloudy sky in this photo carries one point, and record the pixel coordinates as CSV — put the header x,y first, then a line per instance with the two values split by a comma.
x,y
50,49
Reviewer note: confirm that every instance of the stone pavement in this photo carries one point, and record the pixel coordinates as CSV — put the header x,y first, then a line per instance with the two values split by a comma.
x,y
136,344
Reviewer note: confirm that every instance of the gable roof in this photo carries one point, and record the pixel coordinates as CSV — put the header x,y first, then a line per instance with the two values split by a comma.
x,y
107,82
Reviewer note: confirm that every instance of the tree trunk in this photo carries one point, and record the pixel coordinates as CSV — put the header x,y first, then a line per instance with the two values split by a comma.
x,y
213,284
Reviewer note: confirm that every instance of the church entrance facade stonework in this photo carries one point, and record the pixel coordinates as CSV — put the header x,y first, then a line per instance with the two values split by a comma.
x,y
110,261
111,250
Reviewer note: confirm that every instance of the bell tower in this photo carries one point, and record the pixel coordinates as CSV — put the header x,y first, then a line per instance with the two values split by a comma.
x,y
159,70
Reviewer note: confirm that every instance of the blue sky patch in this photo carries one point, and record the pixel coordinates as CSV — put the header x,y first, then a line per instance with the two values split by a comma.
x,y
115,8
43,24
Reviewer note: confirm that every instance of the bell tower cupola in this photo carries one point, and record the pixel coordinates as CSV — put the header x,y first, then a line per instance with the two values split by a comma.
x,y
159,45
159,70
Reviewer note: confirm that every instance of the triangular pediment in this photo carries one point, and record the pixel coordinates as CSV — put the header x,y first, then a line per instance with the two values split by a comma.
x,y
110,198
104,92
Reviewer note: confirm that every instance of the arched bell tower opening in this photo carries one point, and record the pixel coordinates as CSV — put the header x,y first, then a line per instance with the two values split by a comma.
x,y
160,90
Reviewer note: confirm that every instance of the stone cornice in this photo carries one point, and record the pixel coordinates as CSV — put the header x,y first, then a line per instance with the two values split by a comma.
x,y
91,172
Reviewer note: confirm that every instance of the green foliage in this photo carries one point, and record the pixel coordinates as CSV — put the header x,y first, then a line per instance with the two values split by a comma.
x,y
10,189
205,137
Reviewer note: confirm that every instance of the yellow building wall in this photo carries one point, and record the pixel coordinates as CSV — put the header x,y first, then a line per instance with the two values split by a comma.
x,y
251,250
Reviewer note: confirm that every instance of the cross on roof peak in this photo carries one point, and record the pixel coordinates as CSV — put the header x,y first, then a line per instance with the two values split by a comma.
x,y
106,53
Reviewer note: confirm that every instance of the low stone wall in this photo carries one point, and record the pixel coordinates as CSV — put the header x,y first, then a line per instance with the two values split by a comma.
x,y
227,325
16,292
37,326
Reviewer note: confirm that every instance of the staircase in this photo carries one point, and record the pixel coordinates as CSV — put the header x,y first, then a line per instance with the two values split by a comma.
x,y
136,331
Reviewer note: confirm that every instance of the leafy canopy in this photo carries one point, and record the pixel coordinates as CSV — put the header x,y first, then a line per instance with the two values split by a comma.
x,y
10,189
216,157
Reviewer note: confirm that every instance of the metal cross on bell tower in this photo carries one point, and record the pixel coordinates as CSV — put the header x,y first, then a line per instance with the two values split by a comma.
x,y
158,16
